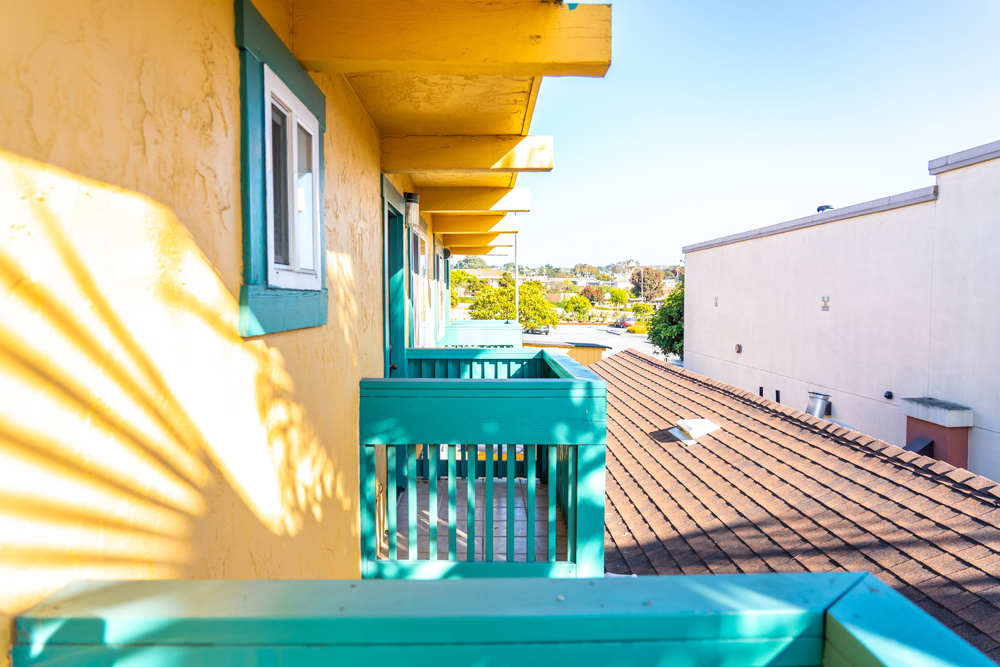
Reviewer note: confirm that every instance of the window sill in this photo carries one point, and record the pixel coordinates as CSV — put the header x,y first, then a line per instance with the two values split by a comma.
x,y
264,310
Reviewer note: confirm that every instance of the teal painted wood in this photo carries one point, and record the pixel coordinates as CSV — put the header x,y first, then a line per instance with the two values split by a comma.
x,y
529,464
480,569
470,526
589,496
874,625
393,196
432,501
791,652
252,192
391,472
570,507
332,612
396,306
452,504
481,333
411,505
255,35
552,483
368,505
486,411
264,310
488,505
511,505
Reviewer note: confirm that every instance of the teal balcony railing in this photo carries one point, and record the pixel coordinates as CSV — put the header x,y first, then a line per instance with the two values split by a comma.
x,y
843,619
482,333
492,462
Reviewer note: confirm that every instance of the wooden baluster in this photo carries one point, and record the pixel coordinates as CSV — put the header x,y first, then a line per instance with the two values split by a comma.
x,y
390,500
452,504
529,474
411,496
553,471
511,503
433,455
470,481
488,476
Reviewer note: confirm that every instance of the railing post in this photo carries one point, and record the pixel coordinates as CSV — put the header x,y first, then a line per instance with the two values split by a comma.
x,y
369,491
511,503
529,475
411,505
470,502
590,510
391,475
433,458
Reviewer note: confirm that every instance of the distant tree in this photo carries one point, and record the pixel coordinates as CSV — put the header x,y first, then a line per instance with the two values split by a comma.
x,y
647,283
567,286
641,310
465,281
619,297
584,270
592,294
472,262
666,329
506,280
605,288
577,305
550,271
497,303
603,277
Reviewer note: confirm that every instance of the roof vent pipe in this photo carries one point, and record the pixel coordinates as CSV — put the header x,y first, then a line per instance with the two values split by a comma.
x,y
819,404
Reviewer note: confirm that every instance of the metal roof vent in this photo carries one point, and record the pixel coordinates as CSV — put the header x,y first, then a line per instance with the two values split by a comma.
x,y
689,430
819,405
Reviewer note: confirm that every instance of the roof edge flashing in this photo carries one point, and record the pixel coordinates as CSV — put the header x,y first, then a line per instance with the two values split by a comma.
x,y
966,158
911,198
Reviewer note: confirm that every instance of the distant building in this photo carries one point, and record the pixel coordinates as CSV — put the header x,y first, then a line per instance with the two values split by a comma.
x,y
871,304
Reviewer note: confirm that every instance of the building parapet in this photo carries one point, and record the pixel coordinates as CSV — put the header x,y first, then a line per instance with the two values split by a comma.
x,y
964,158
910,198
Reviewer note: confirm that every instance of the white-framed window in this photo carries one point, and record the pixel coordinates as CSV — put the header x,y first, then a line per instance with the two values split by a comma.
x,y
443,296
294,259
419,284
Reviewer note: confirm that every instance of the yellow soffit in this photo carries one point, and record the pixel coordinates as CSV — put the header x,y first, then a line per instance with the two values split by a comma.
x,y
512,38
474,200
492,251
452,225
485,154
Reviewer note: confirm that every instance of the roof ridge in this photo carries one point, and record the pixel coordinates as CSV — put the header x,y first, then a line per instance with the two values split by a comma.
x,y
963,480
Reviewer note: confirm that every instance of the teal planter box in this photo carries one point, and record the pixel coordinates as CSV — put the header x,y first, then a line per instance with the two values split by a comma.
x,y
776,620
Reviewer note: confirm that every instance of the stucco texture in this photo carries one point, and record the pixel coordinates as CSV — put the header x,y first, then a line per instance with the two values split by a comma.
x,y
912,310
140,436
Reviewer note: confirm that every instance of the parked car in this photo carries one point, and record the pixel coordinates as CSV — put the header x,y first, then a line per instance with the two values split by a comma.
x,y
624,322
544,329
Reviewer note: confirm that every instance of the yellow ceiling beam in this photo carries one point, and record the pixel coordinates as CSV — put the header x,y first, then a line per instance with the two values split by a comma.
x,y
513,38
455,240
474,200
488,154
475,224
492,251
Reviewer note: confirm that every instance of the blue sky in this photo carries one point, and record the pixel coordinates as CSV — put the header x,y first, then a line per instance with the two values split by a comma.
x,y
717,117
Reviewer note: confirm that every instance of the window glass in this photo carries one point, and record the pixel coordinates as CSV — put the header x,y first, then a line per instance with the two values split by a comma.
x,y
293,186
279,197
305,227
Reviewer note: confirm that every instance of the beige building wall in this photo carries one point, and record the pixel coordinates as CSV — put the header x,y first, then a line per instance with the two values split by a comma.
x,y
913,294
140,436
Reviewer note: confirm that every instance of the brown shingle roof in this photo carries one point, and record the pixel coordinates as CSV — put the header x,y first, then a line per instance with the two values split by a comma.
x,y
776,490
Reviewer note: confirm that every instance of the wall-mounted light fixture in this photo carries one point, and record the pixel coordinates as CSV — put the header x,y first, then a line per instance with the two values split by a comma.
x,y
412,210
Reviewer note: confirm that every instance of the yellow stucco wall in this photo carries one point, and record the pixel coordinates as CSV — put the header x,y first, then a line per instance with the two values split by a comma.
x,y
139,435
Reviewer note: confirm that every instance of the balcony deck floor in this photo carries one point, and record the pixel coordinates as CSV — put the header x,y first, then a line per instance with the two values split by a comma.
x,y
498,523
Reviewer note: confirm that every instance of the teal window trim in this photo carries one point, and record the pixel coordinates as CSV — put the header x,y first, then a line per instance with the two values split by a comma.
x,y
264,309
393,306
